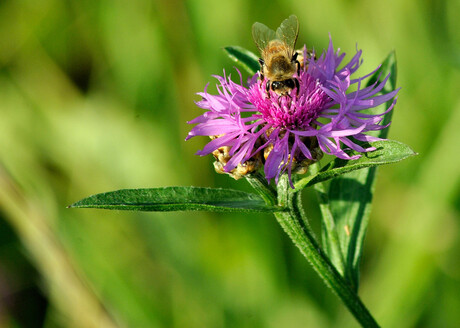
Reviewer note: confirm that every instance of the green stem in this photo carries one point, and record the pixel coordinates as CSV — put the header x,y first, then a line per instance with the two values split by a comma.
x,y
292,223
331,242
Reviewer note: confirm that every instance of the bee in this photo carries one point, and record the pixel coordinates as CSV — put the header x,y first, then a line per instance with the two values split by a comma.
x,y
278,60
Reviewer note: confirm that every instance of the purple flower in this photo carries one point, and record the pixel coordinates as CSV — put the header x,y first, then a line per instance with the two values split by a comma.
x,y
292,131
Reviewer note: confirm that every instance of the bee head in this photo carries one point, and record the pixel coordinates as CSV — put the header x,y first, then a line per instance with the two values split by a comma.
x,y
288,84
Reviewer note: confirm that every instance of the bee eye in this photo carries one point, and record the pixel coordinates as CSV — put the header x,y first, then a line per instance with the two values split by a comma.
x,y
276,85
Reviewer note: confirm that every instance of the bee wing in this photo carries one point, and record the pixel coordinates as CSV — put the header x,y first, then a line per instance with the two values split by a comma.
x,y
262,35
288,32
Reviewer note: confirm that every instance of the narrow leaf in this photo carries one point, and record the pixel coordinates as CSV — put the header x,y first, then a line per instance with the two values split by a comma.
x,y
178,199
243,57
350,195
388,151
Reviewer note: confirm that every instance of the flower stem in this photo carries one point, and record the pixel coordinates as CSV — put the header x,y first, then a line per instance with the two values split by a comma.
x,y
292,223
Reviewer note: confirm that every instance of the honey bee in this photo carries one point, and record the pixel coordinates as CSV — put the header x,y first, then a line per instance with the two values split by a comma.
x,y
278,60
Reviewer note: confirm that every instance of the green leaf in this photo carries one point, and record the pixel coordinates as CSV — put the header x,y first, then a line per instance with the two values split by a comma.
x,y
178,199
350,199
350,195
243,57
387,152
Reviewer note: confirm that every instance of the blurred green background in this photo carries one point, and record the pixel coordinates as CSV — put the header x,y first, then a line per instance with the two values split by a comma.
x,y
95,95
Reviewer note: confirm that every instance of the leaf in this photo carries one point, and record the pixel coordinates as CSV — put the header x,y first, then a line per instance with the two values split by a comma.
x,y
177,199
350,199
387,152
243,57
350,195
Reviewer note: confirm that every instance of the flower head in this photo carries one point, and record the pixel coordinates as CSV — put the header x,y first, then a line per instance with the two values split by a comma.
x,y
292,131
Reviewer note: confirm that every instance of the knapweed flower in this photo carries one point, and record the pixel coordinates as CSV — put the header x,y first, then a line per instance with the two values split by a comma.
x,y
291,131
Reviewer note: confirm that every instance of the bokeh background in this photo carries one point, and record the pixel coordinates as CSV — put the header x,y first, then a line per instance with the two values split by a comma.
x,y
95,95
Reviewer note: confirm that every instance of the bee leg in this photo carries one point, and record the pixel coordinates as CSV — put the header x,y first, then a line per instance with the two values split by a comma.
x,y
294,60
261,63
297,86
267,88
